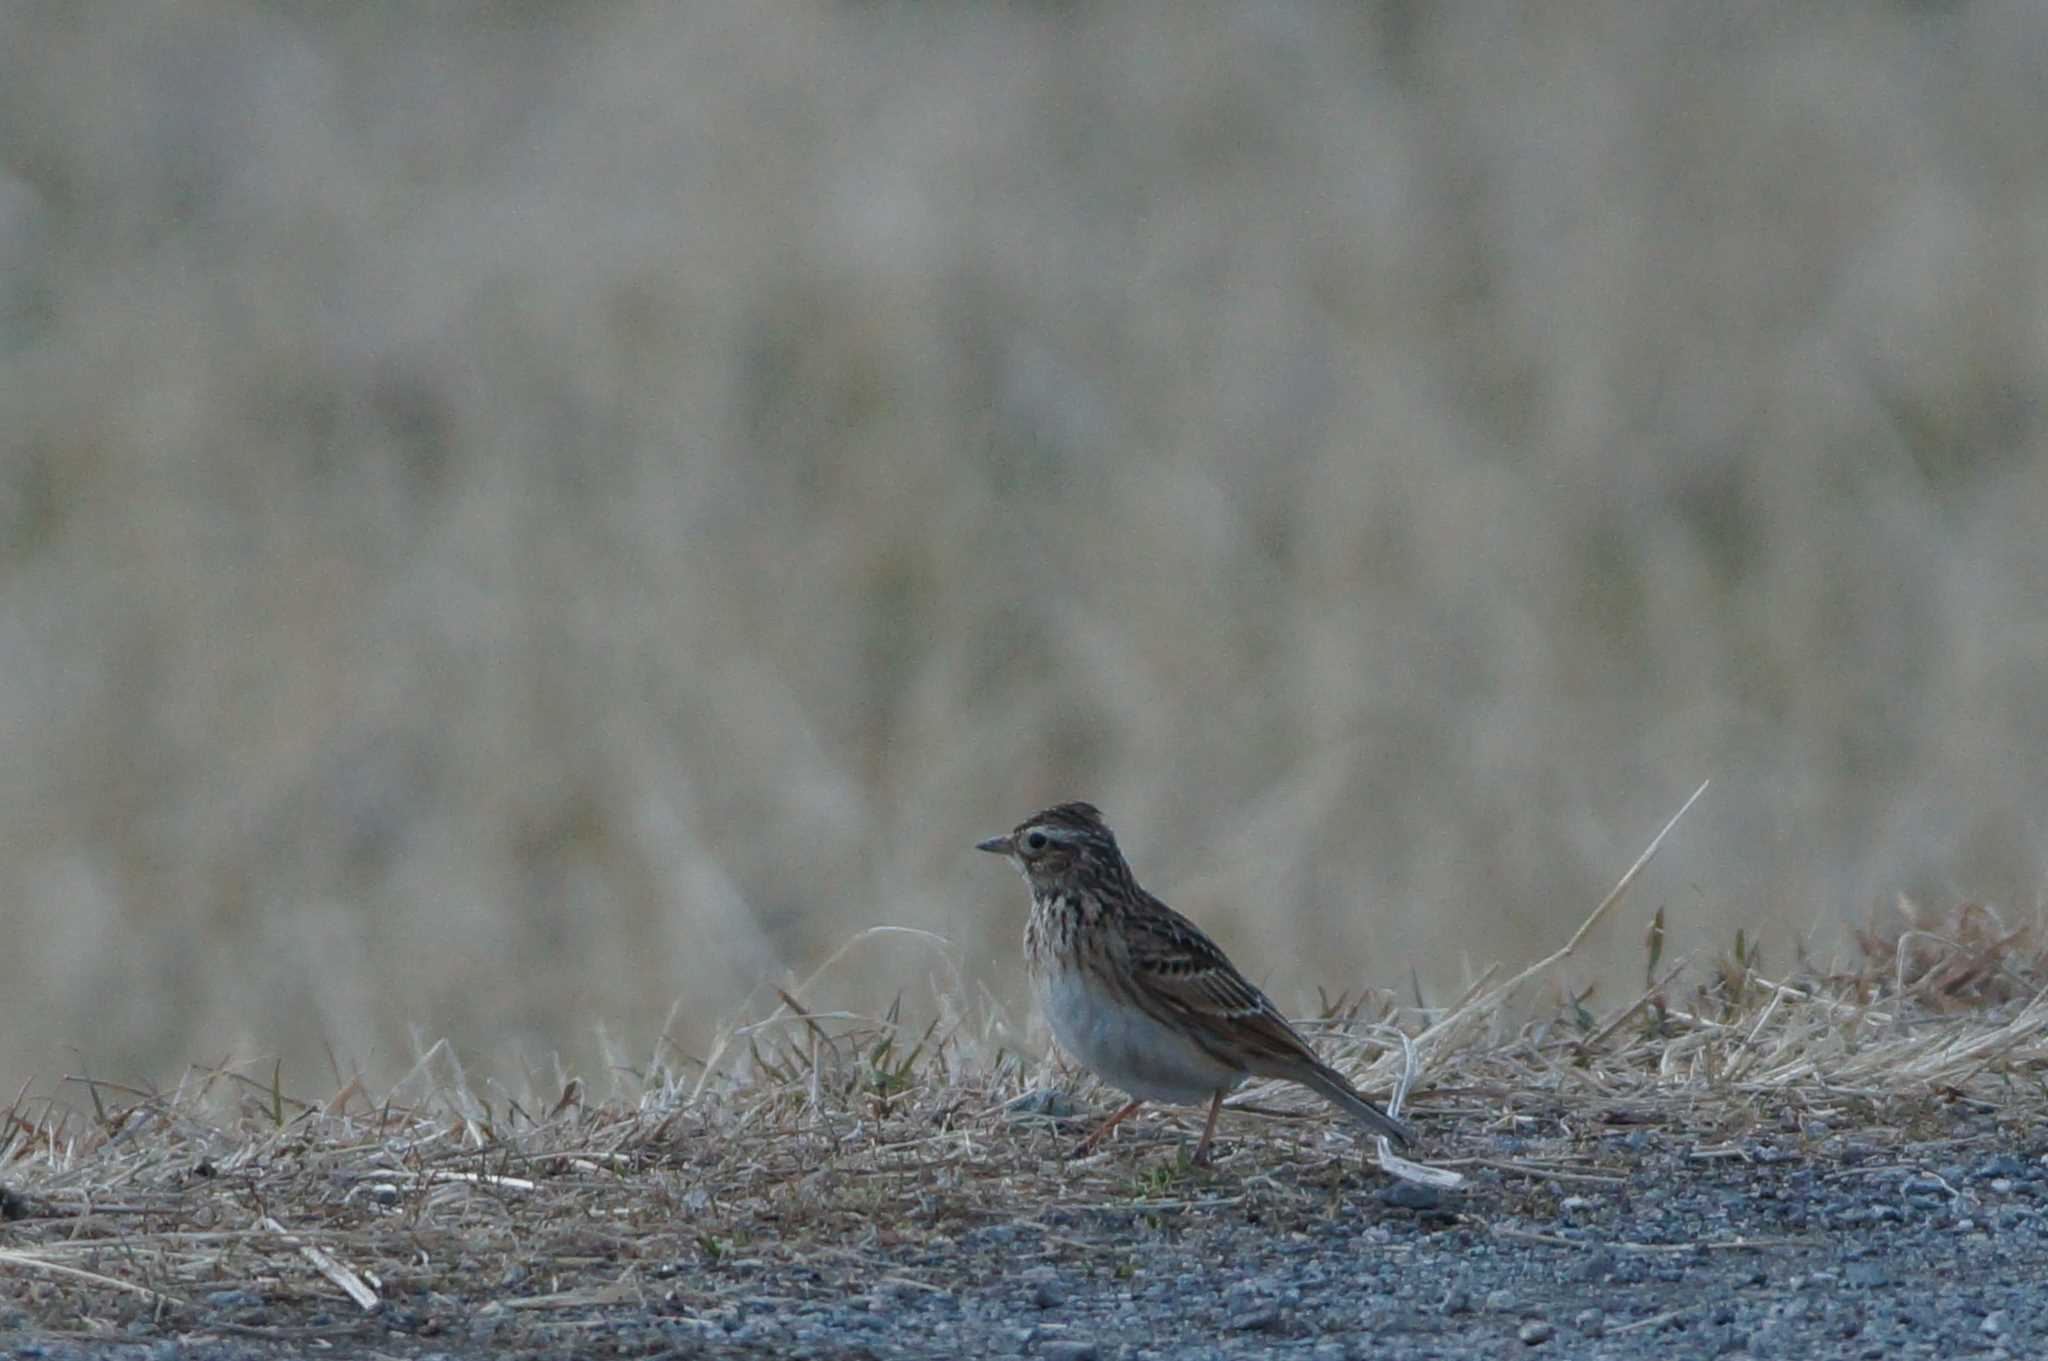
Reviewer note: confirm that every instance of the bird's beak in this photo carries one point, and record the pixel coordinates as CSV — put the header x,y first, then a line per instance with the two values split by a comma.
x,y
995,845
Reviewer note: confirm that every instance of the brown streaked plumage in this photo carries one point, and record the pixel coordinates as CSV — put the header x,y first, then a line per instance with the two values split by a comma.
x,y
1136,992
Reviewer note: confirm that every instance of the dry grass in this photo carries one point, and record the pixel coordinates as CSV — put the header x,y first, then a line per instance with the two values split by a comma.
x,y
830,1137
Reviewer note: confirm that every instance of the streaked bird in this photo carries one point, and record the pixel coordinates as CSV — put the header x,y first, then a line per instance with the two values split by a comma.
x,y
1137,993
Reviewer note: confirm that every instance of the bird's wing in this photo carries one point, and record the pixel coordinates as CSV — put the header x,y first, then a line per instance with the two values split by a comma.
x,y
1181,968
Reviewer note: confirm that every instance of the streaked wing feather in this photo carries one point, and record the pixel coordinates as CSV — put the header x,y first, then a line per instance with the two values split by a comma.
x,y
1186,970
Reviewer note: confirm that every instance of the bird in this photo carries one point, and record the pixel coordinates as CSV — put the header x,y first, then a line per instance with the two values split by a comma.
x,y
1137,993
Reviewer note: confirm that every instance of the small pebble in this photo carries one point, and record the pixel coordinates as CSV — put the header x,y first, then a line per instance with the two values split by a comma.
x,y
1070,1351
1994,1324
1047,1103
1593,1268
1535,1331
1499,1301
1264,1320
233,1299
1408,1195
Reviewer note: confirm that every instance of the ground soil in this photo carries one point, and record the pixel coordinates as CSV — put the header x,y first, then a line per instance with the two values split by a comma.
x,y
1922,1233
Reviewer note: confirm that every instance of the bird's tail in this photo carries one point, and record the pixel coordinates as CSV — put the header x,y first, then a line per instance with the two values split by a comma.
x,y
1330,1084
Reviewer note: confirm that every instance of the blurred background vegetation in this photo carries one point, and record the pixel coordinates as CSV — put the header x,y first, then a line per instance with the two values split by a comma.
x,y
530,523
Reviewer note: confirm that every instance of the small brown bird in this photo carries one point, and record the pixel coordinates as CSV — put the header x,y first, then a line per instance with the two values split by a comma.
x,y
1136,992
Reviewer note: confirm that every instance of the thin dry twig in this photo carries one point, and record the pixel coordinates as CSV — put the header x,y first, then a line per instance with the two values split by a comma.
x,y
33,1262
1592,920
327,1265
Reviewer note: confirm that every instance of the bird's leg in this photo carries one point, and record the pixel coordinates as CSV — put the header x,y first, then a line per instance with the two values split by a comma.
x,y
1201,1158
1087,1145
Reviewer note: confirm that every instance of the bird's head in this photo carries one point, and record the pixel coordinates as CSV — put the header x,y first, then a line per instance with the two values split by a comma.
x,y
1059,846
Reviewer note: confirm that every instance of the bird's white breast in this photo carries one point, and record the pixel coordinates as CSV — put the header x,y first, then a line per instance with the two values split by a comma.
x,y
1125,1045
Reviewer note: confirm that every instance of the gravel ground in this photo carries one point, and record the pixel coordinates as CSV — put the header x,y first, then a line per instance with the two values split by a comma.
x,y
1817,1244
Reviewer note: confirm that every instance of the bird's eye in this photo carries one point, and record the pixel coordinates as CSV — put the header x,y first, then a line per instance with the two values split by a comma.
x,y
1034,840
